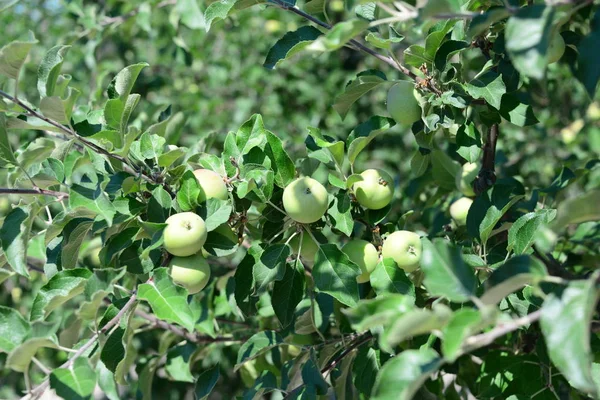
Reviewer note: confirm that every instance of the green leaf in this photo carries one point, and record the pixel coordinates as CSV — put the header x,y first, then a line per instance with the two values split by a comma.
x,y
121,85
94,199
282,166
444,169
588,57
49,70
335,147
388,278
335,274
75,382
522,233
489,87
14,234
217,11
258,344
373,313
402,376
20,357
179,362
339,35
215,212
74,233
576,210
565,323
383,43
481,22
190,14
447,50
340,213
364,133
527,36
159,205
151,146
58,290
446,274
515,108
487,210
462,324
511,276
13,329
113,350
287,293
187,195
13,55
6,153
58,109
365,369
167,300
206,382
271,265
364,82
291,43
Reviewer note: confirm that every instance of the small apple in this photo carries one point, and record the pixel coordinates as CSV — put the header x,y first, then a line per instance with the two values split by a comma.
x,y
305,200
402,103
272,26
191,272
376,189
460,209
556,49
404,247
211,185
363,254
465,178
185,234
309,247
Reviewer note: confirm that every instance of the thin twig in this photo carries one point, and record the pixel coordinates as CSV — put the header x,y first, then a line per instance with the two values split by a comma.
x,y
41,388
37,190
122,18
129,168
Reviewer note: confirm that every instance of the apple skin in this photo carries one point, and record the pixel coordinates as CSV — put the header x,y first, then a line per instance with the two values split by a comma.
x,y
305,200
460,209
465,178
556,49
402,103
405,248
185,234
211,184
376,189
309,247
363,254
191,272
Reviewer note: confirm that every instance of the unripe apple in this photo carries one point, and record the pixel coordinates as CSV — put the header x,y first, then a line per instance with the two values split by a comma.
x,y
185,234
465,178
305,200
309,247
376,189
211,185
363,254
404,247
191,272
460,209
556,49
272,26
402,103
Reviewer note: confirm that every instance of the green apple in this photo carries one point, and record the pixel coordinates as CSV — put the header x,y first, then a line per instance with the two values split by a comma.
x,y
191,272
404,247
556,49
5,206
211,185
305,200
363,254
185,234
309,247
465,178
272,26
376,189
460,209
402,103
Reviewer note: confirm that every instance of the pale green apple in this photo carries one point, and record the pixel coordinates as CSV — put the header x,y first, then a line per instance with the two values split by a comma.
x,y
405,248
376,189
191,272
363,254
211,185
305,200
460,209
185,234
402,103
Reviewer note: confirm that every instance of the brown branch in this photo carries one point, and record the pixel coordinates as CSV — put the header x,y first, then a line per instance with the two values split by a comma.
x,y
122,18
487,176
126,165
41,388
59,195
191,337
361,47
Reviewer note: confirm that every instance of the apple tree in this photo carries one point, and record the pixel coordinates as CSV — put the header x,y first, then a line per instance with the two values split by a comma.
x,y
431,231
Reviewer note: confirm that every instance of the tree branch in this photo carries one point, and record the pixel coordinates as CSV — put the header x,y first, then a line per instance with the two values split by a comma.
x,y
126,165
59,195
41,388
361,47
134,12
191,337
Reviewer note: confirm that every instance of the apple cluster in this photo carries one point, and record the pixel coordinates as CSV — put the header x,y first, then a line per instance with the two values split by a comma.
x,y
305,200
185,235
